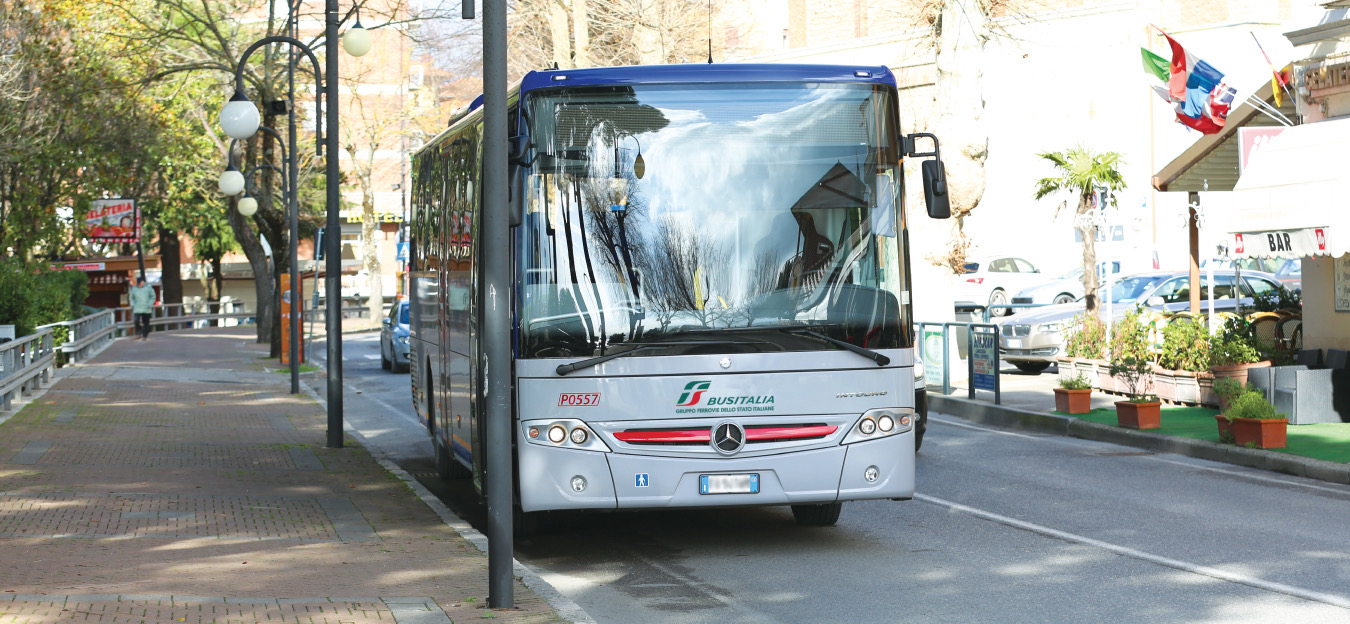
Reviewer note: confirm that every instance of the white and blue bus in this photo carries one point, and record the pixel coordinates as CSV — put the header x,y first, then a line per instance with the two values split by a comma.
x,y
711,301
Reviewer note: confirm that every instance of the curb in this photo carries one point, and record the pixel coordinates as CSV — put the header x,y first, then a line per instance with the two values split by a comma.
x,y
1041,422
566,609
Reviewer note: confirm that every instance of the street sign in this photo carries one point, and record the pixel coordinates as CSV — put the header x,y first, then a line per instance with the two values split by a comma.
x,y
402,252
318,245
933,354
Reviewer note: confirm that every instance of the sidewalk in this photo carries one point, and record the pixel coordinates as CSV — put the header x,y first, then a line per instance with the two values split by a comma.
x,y
1028,401
175,480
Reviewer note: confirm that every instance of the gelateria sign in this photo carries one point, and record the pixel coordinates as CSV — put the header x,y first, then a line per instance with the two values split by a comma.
x,y
1294,243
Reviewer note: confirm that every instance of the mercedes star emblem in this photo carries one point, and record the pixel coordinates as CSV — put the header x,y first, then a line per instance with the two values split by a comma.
x,y
728,438
726,362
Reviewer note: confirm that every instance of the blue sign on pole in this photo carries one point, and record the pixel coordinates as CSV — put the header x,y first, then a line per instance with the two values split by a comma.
x,y
402,252
983,359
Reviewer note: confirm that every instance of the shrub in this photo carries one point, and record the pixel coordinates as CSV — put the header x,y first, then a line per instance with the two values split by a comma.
x,y
1079,382
1251,404
1137,373
1279,299
1185,347
1235,343
1087,337
1130,337
1229,388
38,296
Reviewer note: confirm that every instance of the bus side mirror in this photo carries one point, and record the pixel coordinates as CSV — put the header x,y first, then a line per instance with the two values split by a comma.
x,y
933,173
935,189
520,154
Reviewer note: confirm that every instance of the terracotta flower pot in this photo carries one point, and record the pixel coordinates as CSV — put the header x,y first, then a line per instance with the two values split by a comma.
x,y
1237,372
1225,428
1073,401
1139,415
1264,433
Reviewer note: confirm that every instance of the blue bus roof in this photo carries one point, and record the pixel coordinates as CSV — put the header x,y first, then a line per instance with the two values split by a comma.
x,y
712,73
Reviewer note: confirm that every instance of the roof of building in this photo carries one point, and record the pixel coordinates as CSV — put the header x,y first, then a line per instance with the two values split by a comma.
x,y
1211,164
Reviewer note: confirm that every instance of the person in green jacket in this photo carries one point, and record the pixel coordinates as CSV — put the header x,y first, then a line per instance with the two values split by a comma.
x,y
142,299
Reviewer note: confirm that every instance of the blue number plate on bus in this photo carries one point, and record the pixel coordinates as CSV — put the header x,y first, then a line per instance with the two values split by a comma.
x,y
728,484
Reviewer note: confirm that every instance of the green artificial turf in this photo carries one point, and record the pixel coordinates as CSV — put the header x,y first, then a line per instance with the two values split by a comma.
x,y
1329,441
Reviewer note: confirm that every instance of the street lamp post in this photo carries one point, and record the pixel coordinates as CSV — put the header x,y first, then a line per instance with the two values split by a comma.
x,y
239,119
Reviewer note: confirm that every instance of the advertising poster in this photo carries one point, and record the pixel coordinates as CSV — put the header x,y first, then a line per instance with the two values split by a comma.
x,y
983,358
113,221
932,355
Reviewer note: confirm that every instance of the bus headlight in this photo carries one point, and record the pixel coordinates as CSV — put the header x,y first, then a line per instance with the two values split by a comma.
x,y
881,423
568,433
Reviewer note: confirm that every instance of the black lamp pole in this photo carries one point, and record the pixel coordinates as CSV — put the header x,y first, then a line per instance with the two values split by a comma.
x,y
333,240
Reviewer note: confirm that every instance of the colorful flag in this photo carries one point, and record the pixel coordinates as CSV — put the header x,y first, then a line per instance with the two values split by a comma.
x,y
1199,88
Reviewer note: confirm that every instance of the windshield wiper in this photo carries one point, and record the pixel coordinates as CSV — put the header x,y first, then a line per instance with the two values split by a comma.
x,y
564,369
880,359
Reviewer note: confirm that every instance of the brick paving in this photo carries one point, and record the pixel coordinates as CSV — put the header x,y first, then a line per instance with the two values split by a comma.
x,y
177,480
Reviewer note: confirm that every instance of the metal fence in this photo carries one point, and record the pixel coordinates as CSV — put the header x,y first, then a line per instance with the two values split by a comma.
x,y
82,336
188,316
25,364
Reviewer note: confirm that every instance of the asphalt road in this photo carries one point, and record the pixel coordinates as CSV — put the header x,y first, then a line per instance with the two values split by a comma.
x,y
1008,527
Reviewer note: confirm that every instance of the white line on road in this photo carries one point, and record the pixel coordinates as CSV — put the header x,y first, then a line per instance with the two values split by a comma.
x,y
978,428
1250,581
370,356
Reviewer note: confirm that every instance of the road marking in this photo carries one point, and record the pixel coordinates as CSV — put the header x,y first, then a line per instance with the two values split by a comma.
x,y
1241,579
369,356
979,428
1227,470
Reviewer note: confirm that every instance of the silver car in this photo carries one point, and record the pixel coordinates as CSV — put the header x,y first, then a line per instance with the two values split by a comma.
x,y
1031,339
394,338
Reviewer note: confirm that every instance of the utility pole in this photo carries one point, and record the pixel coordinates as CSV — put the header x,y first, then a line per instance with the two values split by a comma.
x,y
333,235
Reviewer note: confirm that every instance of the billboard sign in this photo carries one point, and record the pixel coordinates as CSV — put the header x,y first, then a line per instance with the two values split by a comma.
x,y
113,221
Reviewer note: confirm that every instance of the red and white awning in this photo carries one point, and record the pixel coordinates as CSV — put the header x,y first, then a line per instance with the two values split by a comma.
x,y
1291,199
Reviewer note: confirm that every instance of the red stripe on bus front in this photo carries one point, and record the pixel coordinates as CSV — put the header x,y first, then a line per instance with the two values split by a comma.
x,y
789,433
690,435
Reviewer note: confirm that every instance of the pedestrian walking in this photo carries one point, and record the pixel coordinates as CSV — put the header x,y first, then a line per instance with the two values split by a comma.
x,y
142,299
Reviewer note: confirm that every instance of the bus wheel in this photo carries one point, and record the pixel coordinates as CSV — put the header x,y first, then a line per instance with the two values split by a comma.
x,y
526,523
817,515
446,467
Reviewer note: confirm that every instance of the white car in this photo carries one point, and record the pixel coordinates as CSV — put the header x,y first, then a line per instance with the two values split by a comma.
x,y
993,281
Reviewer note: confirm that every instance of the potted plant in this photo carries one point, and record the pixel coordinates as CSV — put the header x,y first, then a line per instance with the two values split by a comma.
x,y
1085,344
1227,389
1142,410
1074,395
1183,361
1130,341
1234,349
1254,422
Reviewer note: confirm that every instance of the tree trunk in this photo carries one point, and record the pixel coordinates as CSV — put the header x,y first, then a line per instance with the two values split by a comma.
x,y
647,33
262,273
213,291
581,33
370,249
961,33
171,273
557,23
1089,229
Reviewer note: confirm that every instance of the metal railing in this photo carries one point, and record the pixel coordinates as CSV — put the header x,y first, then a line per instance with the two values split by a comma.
x,y
25,364
187,315
83,335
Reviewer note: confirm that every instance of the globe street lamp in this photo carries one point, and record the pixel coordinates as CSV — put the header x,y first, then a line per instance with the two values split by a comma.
x,y
239,121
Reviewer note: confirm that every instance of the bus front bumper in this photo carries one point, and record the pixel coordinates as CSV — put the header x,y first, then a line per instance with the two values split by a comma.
x,y
622,481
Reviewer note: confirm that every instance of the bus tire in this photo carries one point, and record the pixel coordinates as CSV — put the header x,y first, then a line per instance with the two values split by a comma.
x,y
817,515
447,468
526,523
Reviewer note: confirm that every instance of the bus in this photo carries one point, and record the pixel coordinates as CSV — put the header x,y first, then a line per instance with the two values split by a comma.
x,y
711,295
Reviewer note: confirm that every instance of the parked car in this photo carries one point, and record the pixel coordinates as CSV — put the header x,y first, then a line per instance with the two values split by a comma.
x,y
1031,339
992,281
394,338
1288,270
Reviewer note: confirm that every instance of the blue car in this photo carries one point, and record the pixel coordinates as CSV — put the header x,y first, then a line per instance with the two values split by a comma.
x,y
394,338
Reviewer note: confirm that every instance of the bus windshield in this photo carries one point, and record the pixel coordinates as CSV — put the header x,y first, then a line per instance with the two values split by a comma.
x,y
702,218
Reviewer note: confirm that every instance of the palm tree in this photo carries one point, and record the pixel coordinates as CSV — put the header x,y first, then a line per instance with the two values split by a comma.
x,y
1082,172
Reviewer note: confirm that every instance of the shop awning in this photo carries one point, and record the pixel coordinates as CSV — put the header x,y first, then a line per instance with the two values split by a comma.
x,y
1289,200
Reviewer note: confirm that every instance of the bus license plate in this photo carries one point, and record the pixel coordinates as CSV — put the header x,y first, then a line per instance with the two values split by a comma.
x,y
729,484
